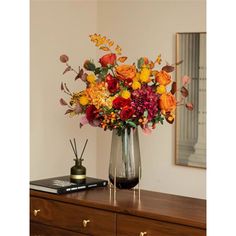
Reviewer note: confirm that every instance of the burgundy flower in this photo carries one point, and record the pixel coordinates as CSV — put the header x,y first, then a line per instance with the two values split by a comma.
x,y
120,102
108,59
126,113
145,99
91,113
112,83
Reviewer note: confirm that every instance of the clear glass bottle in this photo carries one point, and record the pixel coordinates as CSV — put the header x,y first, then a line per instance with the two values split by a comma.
x,y
125,160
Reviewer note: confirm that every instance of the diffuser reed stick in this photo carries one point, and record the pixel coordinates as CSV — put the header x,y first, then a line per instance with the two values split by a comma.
x,y
83,149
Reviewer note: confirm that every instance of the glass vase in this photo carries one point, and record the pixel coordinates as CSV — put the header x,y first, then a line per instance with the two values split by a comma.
x,y
125,161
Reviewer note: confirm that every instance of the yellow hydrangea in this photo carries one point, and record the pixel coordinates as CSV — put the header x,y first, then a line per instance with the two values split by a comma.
x,y
161,89
83,100
136,85
125,94
145,74
91,78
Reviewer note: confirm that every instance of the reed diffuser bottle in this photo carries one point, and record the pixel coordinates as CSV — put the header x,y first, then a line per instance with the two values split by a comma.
x,y
78,171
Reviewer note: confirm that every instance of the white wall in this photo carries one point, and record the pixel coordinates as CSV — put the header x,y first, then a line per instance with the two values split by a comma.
x,y
147,28
142,28
57,27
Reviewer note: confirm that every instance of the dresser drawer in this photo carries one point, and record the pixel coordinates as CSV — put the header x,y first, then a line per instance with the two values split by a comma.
x,y
72,217
45,230
137,226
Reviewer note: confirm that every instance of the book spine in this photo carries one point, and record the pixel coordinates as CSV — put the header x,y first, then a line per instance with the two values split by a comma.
x,y
78,188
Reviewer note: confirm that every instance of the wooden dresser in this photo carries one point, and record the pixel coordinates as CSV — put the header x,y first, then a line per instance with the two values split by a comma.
x,y
94,212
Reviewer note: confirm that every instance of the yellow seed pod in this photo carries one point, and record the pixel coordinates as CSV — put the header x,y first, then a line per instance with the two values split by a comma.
x,y
136,85
83,100
125,94
161,89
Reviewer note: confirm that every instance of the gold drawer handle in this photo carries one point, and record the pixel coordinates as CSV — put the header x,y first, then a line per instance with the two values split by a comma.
x,y
85,222
36,212
142,233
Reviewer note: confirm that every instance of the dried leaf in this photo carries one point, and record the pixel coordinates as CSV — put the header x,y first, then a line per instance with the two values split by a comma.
x,y
184,92
118,50
62,87
122,59
173,88
104,48
69,111
179,62
80,74
189,106
63,102
84,77
68,68
158,60
110,43
151,64
66,88
168,68
185,79
64,58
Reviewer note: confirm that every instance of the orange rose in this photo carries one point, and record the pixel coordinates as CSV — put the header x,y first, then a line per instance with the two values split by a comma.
x,y
108,59
163,78
125,72
167,102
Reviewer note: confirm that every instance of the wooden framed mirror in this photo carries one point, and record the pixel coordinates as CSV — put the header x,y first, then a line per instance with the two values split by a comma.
x,y
190,137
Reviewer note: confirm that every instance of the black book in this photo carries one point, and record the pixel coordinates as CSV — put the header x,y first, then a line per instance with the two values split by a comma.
x,y
62,184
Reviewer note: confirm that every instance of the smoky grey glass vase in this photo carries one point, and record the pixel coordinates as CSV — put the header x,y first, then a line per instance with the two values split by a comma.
x,y
125,161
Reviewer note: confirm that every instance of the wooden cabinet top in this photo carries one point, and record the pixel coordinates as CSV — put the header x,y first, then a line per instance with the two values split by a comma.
x,y
152,205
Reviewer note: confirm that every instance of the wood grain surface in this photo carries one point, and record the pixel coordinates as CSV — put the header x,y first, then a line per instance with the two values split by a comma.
x,y
153,205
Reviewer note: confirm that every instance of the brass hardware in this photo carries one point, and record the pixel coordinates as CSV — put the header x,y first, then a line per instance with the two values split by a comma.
x,y
36,212
85,222
142,233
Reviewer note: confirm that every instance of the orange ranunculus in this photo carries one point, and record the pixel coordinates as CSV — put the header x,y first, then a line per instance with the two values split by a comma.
x,y
126,72
163,78
167,102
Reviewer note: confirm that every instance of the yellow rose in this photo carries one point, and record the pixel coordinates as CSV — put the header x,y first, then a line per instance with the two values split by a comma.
x,y
145,74
126,72
163,78
161,89
91,78
125,94
136,85
83,100
167,102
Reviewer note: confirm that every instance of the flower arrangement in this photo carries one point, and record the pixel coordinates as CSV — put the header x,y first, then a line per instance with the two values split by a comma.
x,y
119,96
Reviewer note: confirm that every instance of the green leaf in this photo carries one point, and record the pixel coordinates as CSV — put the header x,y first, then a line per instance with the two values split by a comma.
x,y
145,114
140,62
97,70
103,72
131,123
